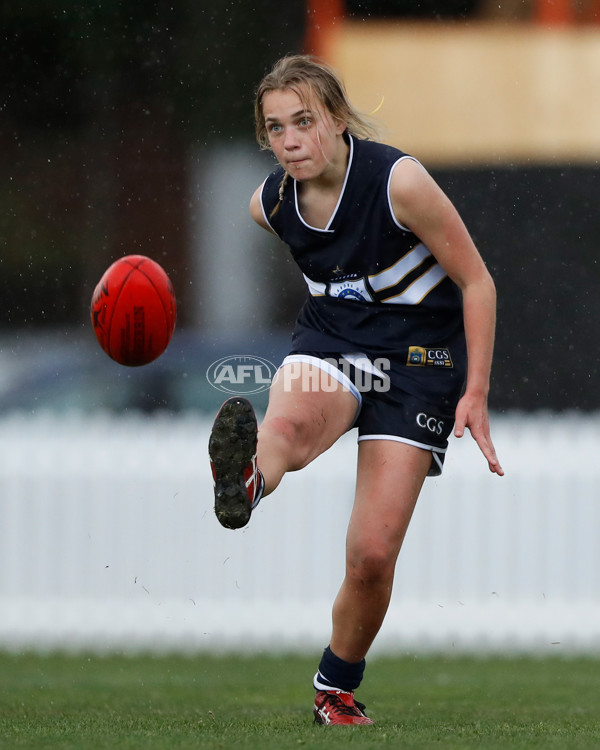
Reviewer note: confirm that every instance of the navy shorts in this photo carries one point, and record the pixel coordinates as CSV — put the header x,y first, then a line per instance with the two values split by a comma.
x,y
409,402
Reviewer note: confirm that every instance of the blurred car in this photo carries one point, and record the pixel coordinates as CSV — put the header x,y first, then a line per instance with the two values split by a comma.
x,y
67,371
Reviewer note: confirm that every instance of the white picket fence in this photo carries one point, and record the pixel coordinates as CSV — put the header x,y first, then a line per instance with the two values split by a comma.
x,y
108,541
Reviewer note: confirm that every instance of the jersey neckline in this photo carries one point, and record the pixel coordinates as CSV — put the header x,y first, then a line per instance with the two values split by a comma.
x,y
327,229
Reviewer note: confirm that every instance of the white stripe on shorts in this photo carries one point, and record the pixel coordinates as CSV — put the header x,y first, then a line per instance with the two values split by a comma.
x,y
327,367
399,439
395,438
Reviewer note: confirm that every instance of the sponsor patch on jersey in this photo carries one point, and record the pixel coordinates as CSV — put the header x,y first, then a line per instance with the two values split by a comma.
x,y
420,356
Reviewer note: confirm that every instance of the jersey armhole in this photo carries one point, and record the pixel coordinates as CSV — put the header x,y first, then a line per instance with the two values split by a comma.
x,y
264,211
389,199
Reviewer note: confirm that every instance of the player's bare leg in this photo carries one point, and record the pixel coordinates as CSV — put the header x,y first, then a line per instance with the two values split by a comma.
x,y
308,411
306,414
389,479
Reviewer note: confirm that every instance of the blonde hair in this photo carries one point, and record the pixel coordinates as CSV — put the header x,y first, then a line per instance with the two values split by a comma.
x,y
313,81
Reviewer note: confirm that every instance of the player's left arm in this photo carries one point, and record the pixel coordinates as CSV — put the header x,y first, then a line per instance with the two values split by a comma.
x,y
421,205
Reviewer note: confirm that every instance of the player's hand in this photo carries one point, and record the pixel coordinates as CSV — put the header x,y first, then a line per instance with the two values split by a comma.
x,y
472,413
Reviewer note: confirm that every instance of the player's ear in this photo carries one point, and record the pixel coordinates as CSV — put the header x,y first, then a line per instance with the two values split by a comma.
x,y
340,127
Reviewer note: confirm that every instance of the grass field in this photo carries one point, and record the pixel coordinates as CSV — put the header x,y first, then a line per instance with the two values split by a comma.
x,y
83,702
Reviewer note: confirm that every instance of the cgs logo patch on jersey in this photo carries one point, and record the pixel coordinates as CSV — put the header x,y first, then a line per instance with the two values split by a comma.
x,y
419,356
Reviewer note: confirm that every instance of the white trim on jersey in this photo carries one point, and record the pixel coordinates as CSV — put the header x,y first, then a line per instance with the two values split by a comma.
x,y
387,279
401,268
420,288
337,205
316,288
264,213
394,165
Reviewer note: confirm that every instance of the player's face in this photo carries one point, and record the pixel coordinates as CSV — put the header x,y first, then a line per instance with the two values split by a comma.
x,y
306,142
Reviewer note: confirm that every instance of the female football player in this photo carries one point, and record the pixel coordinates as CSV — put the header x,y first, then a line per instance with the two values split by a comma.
x,y
395,338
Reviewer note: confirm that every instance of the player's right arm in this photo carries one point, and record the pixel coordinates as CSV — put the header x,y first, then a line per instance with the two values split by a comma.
x,y
256,211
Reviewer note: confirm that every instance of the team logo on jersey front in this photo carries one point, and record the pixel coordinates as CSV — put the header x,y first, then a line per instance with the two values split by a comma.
x,y
420,356
351,294
353,289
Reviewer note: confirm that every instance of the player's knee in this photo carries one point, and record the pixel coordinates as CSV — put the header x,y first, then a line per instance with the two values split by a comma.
x,y
292,435
372,564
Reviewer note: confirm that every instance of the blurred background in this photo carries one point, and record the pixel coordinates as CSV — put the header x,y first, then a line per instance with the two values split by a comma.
x,y
128,128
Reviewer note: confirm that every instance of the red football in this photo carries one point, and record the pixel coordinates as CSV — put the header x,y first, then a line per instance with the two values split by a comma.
x,y
134,311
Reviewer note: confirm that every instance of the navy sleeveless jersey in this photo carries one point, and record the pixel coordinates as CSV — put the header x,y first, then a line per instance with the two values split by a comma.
x,y
373,285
